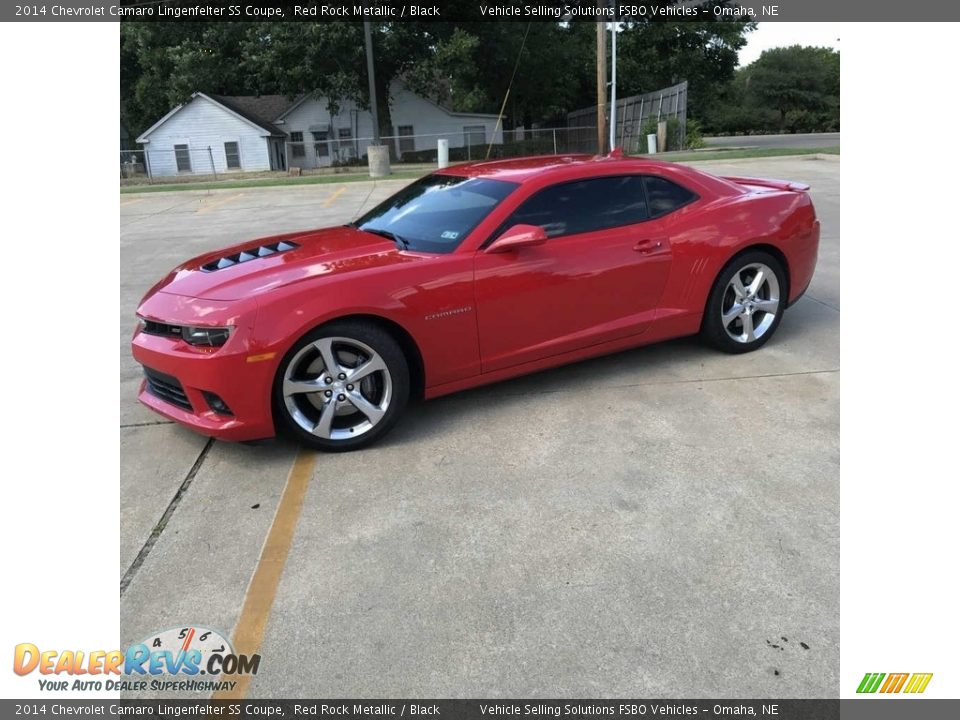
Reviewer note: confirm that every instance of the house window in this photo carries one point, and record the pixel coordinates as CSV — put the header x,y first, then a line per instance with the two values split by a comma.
x,y
183,157
406,142
474,135
344,133
320,146
296,140
232,151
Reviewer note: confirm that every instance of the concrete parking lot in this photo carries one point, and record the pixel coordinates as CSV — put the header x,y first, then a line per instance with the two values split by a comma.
x,y
663,522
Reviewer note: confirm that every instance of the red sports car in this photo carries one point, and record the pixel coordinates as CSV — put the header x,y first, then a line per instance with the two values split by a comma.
x,y
471,275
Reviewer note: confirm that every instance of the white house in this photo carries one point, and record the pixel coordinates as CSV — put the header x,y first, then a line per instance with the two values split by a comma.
x,y
317,139
217,134
222,134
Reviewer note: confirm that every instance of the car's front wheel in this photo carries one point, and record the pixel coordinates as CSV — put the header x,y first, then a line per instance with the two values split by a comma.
x,y
746,303
341,386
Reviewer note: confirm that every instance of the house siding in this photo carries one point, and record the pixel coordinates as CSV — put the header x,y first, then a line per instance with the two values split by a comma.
x,y
406,109
203,124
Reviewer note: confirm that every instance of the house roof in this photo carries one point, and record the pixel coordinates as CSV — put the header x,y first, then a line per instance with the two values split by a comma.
x,y
252,109
261,110
397,84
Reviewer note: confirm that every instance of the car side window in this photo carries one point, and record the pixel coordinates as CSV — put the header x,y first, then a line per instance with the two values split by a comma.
x,y
584,206
665,196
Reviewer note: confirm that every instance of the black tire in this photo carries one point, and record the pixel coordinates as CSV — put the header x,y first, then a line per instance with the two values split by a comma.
x,y
385,391
754,311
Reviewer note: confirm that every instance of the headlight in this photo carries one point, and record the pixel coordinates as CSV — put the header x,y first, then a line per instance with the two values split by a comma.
x,y
210,336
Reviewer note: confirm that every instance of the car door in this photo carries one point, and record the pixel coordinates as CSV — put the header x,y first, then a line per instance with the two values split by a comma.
x,y
597,278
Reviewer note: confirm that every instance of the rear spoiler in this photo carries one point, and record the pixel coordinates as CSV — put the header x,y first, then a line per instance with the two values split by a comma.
x,y
767,182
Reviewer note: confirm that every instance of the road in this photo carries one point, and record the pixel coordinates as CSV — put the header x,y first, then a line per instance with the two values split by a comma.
x,y
808,140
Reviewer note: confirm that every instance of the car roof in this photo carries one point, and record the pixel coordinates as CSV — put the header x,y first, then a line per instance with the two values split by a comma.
x,y
522,169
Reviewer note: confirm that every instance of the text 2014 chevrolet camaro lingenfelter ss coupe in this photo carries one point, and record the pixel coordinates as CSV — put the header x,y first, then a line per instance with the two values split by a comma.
x,y
473,274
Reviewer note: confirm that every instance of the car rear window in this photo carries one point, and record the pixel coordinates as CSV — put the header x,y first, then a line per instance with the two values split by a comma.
x,y
665,196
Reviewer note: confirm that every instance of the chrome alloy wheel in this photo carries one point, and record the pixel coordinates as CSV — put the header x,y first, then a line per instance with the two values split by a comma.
x,y
337,388
750,303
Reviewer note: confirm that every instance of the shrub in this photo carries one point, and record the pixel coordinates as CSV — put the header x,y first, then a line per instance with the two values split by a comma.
x,y
694,135
675,140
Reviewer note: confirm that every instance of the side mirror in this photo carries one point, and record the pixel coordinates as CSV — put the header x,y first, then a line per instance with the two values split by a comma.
x,y
517,237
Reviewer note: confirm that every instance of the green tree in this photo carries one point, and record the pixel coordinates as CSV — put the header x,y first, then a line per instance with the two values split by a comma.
x,y
161,64
466,66
293,58
653,55
799,81
471,69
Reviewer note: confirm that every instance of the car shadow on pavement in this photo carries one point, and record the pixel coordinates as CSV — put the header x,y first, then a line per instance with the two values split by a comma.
x,y
806,341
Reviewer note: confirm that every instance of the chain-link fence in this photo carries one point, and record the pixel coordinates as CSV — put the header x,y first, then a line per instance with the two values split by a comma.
x,y
326,153
423,148
186,161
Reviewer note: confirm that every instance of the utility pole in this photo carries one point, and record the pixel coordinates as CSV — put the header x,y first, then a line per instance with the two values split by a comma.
x,y
601,82
613,85
378,156
368,42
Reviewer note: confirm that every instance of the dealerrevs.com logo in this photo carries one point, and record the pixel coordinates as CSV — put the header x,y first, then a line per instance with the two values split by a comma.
x,y
188,659
894,683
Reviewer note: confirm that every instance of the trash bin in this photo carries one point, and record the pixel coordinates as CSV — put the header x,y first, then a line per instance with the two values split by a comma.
x,y
378,160
443,153
652,143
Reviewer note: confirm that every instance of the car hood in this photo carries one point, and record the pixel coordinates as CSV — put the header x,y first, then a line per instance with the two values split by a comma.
x,y
258,266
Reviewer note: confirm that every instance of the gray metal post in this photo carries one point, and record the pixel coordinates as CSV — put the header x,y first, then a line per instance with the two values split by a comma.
x,y
623,125
554,141
640,138
213,168
368,42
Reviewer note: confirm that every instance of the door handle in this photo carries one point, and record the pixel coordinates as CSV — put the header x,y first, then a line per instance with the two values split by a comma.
x,y
649,245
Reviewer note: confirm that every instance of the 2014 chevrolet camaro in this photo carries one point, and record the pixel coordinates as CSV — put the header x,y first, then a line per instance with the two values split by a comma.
x,y
473,274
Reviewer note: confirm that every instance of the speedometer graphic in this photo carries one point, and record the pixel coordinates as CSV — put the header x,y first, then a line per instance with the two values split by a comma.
x,y
202,643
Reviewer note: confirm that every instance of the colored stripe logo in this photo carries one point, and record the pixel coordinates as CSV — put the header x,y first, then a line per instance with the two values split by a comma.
x,y
894,682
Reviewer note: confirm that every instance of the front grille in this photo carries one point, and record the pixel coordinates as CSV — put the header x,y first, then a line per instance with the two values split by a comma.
x,y
166,387
153,327
249,254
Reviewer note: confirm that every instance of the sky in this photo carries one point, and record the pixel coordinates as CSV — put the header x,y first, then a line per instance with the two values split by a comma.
x,y
773,34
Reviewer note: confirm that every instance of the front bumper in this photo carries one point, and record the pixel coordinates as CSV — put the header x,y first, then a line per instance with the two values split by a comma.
x,y
182,382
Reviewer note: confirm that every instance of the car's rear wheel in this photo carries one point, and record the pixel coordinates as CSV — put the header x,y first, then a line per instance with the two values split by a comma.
x,y
341,386
746,303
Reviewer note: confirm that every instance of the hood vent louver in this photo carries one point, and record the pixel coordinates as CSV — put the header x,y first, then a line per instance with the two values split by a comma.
x,y
249,254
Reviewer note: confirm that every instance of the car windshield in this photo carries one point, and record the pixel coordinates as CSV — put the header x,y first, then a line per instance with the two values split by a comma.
x,y
435,213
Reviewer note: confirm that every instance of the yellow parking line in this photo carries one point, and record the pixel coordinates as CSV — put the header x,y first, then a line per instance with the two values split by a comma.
x,y
248,634
131,201
218,203
330,200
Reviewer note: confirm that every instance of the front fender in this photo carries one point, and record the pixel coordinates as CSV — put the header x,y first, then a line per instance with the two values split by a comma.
x,y
432,301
